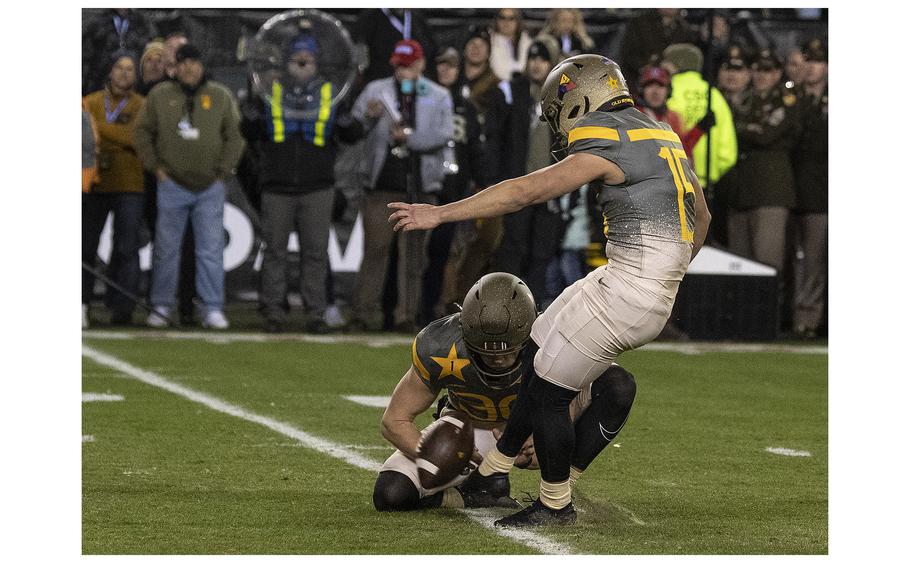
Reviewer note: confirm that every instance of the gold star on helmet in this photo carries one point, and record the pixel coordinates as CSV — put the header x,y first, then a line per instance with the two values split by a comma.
x,y
452,365
613,82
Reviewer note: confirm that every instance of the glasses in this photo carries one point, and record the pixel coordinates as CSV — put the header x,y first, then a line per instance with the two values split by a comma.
x,y
506,18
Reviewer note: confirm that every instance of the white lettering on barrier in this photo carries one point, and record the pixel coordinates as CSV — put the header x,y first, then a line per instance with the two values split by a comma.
x,y
241,237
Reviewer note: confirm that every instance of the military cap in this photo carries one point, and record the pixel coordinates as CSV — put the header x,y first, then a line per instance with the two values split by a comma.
x,y
766,60
815,50
734,58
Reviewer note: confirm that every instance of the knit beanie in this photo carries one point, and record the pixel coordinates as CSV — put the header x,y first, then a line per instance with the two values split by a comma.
x,y
151,48
547,47
685,56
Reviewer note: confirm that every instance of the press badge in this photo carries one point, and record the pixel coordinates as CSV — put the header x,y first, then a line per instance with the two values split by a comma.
x,y
186,130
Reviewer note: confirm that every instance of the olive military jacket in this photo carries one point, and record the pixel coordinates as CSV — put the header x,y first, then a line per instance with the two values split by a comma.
x,y
196,139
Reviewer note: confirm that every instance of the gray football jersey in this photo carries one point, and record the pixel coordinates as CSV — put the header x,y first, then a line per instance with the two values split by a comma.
x,y
649,219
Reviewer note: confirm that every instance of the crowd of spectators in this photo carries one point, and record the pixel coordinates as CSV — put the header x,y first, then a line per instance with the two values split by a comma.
x,y
432,121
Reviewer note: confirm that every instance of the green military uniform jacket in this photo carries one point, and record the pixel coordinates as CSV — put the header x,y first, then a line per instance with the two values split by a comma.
x,y
767,127
810,156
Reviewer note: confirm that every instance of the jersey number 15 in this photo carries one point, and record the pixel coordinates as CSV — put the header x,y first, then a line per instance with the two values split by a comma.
x,y
674,157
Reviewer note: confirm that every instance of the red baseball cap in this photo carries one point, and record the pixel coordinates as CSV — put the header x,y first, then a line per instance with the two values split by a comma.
x,y
406,52
654,74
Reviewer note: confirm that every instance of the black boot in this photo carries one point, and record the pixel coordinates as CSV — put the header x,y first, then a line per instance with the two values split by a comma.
x,y
487,491
538,515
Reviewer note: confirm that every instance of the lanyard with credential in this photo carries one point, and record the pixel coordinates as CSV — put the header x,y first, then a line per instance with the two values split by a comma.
x,y
112,115
405,28
121,25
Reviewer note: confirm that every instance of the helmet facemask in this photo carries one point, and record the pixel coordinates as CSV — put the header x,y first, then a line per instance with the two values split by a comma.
x,y
560,147
496,378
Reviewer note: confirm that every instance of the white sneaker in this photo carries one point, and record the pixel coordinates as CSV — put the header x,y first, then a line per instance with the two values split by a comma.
x,y
333,316
154,320
215,320
84,316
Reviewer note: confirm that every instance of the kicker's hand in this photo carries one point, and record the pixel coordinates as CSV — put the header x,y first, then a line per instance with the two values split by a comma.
x,y
413,216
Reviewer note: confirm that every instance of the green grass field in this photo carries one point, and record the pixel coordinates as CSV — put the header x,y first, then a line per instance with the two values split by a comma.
x,y
690,473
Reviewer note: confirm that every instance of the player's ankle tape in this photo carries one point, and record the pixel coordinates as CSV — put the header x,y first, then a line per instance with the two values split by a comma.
x,y
495,462
555,495
574,474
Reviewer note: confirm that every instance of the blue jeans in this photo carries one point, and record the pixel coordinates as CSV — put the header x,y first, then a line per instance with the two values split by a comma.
x,y
206,208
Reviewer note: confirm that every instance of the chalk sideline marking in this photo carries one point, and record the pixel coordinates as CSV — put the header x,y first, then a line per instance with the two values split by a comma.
x,y
525,537
789,453
101,397
394,340
371,401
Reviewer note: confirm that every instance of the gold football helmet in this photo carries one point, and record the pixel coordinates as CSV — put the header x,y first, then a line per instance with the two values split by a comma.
x,y
578,85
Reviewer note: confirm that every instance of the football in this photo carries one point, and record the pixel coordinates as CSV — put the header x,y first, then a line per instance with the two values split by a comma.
x,y
444,450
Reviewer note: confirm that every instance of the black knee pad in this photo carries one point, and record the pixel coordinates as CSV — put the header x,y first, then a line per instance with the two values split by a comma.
x,y
616,385
394,491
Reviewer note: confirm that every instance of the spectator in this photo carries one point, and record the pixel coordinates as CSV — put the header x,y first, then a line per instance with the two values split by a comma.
x,y
733,76
186,283
111,30
492,113
151,67
89,176
294,133
509,43
648,34
467,169
728,32
531,236
118,189
767,127
567,25
185,25
733,80
654,86
188,134
408,120
89,152
795,67
570,265
380,29
810,161
689,99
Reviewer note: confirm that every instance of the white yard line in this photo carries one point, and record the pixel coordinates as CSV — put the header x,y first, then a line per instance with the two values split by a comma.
x,y
371,401
525,537
789,453
101,397
392,340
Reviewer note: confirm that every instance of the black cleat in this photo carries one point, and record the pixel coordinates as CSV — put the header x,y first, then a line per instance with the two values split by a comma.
x,y
538,515
487,491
